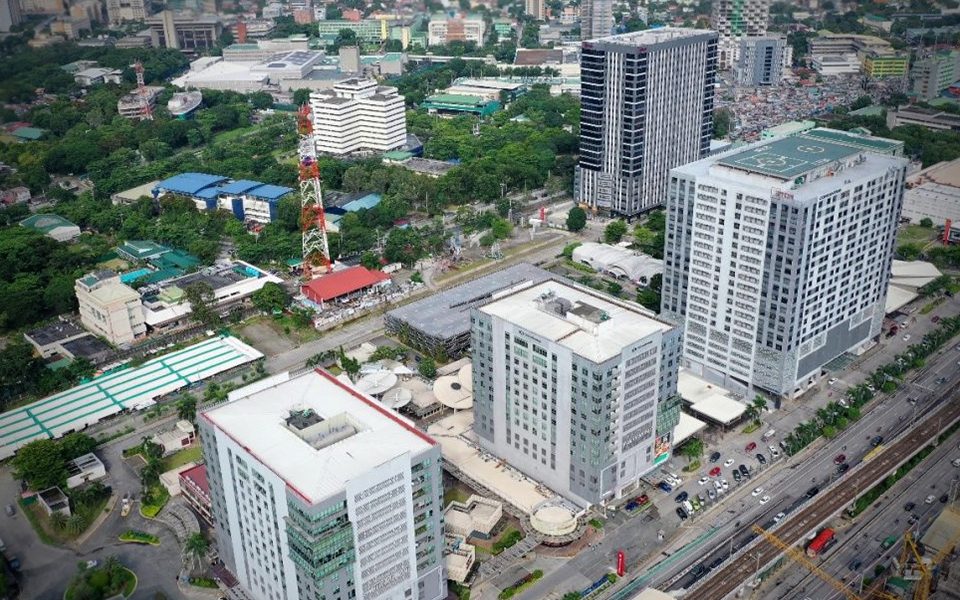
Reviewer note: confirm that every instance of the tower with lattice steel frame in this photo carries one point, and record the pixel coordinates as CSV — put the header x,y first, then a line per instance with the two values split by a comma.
x,y
146,110
316,249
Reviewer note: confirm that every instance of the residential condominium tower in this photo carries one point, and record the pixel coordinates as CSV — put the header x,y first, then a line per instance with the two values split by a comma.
x,y
573,388
318,492
596,19
778,256
734,20
358,115
763,60
646,106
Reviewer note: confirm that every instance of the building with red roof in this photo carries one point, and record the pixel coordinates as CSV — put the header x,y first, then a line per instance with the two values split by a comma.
x,y
196,490
341,284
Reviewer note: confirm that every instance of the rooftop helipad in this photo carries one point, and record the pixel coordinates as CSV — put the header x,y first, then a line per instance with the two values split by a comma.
x,y
790,157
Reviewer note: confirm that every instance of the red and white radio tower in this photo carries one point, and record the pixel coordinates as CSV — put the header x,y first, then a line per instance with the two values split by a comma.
x,y
146,111
316,250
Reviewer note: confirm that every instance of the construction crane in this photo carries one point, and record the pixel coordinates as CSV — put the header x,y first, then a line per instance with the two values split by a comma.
x,y
926,567
146,111
316,248
798,555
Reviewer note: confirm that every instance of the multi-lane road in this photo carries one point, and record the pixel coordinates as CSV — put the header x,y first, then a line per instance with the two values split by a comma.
x,y
859,545
744,565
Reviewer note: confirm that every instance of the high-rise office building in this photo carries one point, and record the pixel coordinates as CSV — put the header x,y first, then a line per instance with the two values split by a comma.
x,y
933,74
358,115
646,106
319,492
185,33
535,9
573,388
763,60
596,19
735,19
778,256
119,11
9,14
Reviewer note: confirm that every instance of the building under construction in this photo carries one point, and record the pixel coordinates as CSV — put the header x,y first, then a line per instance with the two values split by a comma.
x,y
440,324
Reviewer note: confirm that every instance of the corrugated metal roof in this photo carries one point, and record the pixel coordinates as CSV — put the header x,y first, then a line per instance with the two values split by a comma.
x,y
190,183
342,283
270,192
240,186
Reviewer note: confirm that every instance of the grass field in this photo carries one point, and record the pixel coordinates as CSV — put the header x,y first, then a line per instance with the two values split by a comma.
x,y
233,134
187,455
915,234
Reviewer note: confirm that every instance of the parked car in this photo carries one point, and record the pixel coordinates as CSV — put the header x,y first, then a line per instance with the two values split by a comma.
x,y
744,471
944,498
840,458
832,381
761,459
780,516
813,492
682,514
935,318
703,480
681,497
751,447
714,471
909,506
764,500
714,457
724,484
756,492
728,462
876,441
736,475
711,494
642,499
843,468
929,499
855,564
663,485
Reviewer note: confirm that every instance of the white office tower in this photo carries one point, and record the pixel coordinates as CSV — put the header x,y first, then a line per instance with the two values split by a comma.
x,y
318,491
358,115
574,388
778,256
646,106
763,61
596,19
736,19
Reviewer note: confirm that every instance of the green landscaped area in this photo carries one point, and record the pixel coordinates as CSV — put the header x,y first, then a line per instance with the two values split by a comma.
x,y
59,529
187,455
915,234
229,136
102,582
154,501
454,494
132,536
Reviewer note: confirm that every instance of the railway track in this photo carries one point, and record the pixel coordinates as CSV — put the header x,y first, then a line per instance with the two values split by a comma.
x,y
722,583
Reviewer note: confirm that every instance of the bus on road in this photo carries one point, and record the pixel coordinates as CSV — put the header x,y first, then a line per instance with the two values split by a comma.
x,y
821,543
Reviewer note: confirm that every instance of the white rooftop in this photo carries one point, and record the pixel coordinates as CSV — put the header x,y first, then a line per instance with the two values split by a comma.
x,y
592,327
686,428
256,418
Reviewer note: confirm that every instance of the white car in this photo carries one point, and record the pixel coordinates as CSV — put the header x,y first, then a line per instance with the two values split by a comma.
x,y
718,487
906,338
728,462
703,480
756,492
711,494
764,500
774,452
780,516
832,381
724,484
930,499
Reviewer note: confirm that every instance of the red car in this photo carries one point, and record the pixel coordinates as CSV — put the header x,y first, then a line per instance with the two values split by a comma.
x,y
641,500
751,447
714,471
840,459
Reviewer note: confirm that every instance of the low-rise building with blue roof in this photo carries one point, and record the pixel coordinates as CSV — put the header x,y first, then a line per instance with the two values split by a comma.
x,y
248,200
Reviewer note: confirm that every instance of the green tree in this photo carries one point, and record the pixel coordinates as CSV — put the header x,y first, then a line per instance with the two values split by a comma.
x,y
41,464
271,297
909,251
692,449
200,296
614,288
195,550
369,260
187,408
926,222
614,231
350,365
76,444
721,123
427,367
760,405
58,520
301,96
260,100
576,219
648,298
76,523
501,228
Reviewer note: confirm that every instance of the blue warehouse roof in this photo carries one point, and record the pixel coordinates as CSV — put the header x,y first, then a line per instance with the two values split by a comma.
x,y
189,183
207,193
365,202
270,192
240,187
